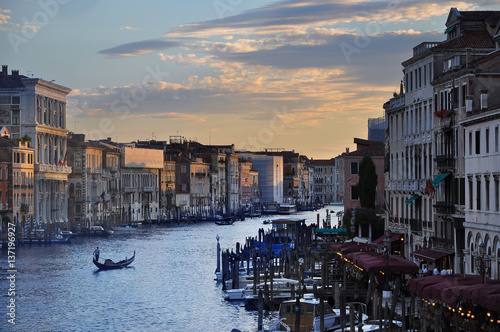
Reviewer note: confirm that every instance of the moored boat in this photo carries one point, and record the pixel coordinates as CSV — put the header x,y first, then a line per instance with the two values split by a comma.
x,y
220,220
110,265
287,209
310,316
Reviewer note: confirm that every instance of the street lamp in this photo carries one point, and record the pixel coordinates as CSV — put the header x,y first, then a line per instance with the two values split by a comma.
x,y
353,227
483,262
387,246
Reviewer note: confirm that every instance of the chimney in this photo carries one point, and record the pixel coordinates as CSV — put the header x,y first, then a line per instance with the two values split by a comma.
x,y
484,99
346,150
4,70
468,57
15,73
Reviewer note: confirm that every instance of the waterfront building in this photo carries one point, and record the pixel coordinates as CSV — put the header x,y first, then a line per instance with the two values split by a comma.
x,y
193,180
339,173
16,182
352,160
86,185
140,177
36,108
324,181
254,188
270,168
233,183
376,129
111,176
480,123
425,144
167,189
245,192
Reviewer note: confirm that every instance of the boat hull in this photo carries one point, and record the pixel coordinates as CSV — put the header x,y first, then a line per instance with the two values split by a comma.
x,y
110,265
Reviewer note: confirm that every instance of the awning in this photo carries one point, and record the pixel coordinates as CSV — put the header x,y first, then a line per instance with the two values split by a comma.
x,y
373,262
439,178
411,199
394,237
458,288
332,231
429,255
450,29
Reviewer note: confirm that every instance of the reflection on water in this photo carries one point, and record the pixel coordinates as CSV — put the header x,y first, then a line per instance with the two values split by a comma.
x,y
169,287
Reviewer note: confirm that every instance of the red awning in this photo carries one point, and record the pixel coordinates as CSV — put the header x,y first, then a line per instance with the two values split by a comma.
x,y
455,288
394,237
429,255
376,262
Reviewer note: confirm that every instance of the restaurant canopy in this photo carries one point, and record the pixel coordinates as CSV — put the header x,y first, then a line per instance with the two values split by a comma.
x,y
455,288
393,236
373,262
429,255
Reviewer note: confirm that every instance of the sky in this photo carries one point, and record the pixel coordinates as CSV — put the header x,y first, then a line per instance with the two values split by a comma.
x,y
302,75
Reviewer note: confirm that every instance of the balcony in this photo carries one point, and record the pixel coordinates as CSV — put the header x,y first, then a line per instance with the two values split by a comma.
x,y
44,168
445,162
442,242
444,208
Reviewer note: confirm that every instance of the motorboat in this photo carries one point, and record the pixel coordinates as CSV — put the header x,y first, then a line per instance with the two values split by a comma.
x,y
246,294
97,231
125,227
310,316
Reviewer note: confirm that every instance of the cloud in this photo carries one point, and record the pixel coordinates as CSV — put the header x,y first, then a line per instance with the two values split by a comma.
x,y
138,48
128,28
294,15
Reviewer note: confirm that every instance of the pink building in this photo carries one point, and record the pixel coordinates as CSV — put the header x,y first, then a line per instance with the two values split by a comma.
x,y
352,160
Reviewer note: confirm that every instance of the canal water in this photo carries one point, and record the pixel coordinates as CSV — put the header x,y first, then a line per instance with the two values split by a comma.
x,y
170,286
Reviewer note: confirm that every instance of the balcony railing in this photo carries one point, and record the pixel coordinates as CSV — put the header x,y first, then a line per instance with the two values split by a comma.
x,y
52,168
444,207
442,242
445,162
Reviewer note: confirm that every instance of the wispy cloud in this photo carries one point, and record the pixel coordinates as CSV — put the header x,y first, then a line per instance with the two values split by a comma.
x,y
138,48
294,15
128,28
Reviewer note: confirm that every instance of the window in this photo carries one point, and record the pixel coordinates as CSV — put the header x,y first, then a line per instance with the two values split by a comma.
x,y
497,192
487,193
354,193
487,140
496,139
478,193
478,141
425,74
78,160
78,190
15,117
464,95
471,194
420,77
470,143
354,168
16,100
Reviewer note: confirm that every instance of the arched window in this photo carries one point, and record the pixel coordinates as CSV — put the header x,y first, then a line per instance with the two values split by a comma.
x,y
78,160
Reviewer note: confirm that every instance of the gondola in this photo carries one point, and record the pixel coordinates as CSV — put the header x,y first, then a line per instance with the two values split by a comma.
x,y
110,265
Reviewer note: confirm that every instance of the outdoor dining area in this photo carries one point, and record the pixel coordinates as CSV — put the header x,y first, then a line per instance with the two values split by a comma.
x,y
443,302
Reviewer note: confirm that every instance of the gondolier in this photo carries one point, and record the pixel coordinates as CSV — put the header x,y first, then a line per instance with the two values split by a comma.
x,y
96,254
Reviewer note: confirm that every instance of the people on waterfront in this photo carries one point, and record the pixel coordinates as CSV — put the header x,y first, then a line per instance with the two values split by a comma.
x,y
424,272
436,271
96,254
444,272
